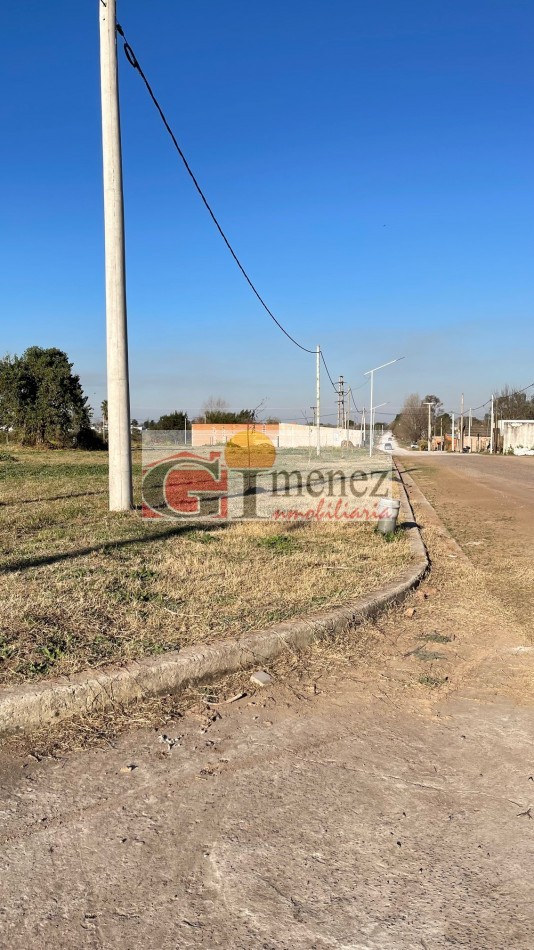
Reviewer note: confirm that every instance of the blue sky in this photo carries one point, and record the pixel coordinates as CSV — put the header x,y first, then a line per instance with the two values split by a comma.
x,y
372,163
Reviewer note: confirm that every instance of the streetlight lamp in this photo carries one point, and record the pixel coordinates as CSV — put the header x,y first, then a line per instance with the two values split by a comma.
x,y
371,373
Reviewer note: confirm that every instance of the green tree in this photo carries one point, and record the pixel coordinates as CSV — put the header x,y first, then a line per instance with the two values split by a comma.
x,y
42,398
219,417
216,411
436,406
172,420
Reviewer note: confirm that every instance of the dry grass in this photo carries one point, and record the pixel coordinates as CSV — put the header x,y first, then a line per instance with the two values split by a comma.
x,y
81,587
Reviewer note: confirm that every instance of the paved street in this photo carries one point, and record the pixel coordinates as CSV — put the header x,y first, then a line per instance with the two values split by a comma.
x,y
382,804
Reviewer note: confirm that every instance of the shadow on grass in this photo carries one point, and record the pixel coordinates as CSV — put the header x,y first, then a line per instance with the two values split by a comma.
x,y
39,561
39,501
193,527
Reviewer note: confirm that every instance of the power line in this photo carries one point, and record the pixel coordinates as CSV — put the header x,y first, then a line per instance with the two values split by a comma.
x,y
353,401
132,59
328,373
517,392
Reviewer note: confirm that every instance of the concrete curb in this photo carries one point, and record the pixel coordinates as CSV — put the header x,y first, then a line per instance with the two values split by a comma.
x,y
27,708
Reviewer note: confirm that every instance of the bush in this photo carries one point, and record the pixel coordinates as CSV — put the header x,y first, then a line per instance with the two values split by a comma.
x,y
89,440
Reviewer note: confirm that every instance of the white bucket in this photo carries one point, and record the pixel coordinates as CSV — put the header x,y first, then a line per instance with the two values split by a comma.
x,y
388,513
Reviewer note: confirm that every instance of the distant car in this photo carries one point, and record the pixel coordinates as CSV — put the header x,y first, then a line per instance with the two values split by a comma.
x,y
388,447
414,445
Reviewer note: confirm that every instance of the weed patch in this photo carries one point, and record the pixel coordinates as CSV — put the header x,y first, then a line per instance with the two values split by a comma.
x,y
433,681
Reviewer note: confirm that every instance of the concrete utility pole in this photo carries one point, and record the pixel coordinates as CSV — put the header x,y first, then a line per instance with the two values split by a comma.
x,y
470,423
429,439
118,421
318,398
453,446
462,426
341,404
492,423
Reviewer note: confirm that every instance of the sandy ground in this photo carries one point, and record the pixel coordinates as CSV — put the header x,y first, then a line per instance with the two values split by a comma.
x,y
488,504
379,800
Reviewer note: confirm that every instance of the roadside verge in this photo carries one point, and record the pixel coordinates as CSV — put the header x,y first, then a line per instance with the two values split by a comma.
x,y
27,708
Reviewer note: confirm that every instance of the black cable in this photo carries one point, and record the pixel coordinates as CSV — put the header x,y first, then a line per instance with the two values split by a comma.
x,y
132,59
353,401
517,392
336,390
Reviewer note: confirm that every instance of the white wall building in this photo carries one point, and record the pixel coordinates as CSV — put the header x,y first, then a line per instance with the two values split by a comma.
x,y
517,435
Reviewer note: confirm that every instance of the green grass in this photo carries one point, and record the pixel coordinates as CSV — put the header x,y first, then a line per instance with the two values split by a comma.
x,y
436,638
433,681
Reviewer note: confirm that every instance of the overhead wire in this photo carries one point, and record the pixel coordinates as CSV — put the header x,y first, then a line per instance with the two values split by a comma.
x,y
134,62
483,405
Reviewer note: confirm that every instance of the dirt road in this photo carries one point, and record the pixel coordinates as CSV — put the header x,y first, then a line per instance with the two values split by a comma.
x,y
488,505
377,797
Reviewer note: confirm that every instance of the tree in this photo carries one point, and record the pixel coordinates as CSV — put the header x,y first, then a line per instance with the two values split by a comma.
x,y
172,420
411,423
443,422
511,404
436,406
214,404
215,411
42,398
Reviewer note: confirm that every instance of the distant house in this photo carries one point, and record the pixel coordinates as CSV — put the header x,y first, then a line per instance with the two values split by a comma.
x,y
479,441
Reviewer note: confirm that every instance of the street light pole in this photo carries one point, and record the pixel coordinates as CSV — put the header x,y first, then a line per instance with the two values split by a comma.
x,y
372,418
371,373
429,404
118,395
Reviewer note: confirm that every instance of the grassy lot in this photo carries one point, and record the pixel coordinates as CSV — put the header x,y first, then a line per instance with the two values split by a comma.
x,y
82,587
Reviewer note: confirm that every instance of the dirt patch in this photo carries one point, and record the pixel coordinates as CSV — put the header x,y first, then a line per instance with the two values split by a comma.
x,y
488,506
372,793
